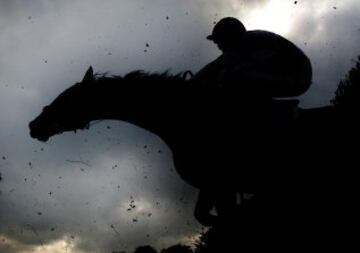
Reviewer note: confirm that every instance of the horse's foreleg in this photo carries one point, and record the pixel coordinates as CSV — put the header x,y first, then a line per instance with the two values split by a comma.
x,y
205,203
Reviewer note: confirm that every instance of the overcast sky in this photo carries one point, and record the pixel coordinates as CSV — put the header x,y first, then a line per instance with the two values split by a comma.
x,y
73,193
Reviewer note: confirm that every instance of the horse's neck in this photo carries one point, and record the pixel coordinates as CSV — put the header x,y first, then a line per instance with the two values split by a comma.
x,y
134,106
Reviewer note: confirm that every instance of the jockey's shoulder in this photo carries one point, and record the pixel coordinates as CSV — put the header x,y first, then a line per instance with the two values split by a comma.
x,y
266,40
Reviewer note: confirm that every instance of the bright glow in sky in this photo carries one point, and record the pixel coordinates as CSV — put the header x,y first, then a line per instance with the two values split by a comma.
x,y
274,16
63,245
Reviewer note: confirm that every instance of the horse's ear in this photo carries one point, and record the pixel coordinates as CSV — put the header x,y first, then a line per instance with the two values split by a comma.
x,y
89,76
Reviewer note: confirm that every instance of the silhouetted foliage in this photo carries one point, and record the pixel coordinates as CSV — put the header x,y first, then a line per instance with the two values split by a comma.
x,y
347,95
206,241
145,249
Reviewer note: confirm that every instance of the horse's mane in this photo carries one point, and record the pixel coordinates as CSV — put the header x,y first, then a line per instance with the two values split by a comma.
x,y
142,77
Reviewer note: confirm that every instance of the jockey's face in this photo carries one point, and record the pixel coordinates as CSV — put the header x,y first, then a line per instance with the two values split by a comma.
x,y
224,45
218,45
228,43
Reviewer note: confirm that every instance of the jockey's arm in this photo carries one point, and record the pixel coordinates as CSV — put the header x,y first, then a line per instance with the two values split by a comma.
x,y
210,75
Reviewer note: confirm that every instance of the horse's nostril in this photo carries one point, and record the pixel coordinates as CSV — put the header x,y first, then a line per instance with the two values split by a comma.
x,y
38,136
33,133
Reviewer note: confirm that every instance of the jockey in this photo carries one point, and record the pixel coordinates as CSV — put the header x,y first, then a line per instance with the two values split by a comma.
x,y
254,69
258,61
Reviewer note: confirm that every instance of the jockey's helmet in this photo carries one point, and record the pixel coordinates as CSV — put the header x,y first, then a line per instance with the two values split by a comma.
x,y
227,29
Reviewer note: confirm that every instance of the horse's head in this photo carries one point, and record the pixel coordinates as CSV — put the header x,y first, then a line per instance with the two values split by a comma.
x,y
66,113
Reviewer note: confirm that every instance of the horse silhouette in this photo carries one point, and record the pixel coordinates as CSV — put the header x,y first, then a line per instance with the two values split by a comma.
x,y
222,146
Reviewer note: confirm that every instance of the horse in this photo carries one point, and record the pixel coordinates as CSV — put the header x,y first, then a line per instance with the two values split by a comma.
x,y
185,116
218,146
